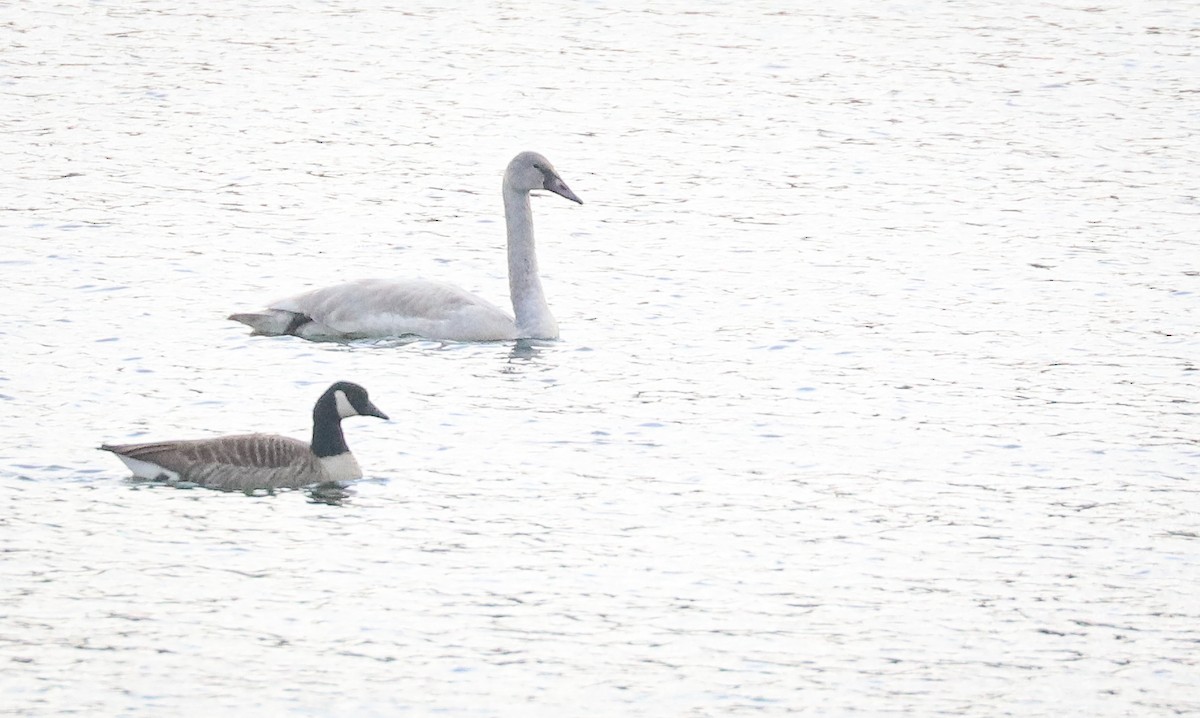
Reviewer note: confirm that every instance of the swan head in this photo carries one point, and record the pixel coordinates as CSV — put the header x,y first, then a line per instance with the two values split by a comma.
x,y
350,399
530,171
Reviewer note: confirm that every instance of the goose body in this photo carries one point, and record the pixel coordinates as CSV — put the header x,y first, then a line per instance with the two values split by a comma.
x,y
260,461
434,310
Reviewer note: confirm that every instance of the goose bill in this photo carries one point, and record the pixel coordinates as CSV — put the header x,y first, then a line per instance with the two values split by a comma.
x,y
372,410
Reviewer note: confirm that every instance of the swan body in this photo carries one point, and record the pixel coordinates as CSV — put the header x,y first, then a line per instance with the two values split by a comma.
x,y
384,308
259,461
434,310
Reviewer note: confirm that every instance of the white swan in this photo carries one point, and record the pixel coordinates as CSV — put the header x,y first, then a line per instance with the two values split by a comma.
x,y
435,310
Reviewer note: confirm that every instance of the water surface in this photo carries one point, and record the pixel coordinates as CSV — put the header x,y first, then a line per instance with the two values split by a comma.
x,y
876,393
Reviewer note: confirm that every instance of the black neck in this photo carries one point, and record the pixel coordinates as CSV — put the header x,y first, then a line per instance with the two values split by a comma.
x,y
327,437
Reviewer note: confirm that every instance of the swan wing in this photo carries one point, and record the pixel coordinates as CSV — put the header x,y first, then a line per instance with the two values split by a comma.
x,y
395,307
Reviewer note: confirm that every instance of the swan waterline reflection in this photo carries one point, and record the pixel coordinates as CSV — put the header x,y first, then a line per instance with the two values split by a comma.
x,y
374,308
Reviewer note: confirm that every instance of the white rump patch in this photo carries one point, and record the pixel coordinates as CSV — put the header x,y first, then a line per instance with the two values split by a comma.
x,y
147,470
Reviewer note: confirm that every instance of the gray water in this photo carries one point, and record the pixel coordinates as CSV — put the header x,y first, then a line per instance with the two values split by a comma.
x,y
876,393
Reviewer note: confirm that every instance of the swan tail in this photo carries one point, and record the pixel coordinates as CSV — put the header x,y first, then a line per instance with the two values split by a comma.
x,y
271,323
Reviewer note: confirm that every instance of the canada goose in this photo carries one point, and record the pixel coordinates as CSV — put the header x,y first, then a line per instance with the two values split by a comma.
x,y
434,310
260,461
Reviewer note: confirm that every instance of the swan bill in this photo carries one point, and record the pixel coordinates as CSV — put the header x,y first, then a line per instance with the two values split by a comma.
x,y
555,184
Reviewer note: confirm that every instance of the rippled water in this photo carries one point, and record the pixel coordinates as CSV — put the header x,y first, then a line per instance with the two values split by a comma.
x,y
876,393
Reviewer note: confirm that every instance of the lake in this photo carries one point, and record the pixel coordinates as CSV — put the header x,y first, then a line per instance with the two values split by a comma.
x,y
876,392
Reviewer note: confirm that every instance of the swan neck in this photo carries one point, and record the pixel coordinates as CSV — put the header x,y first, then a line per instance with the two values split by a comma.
x,y
532,314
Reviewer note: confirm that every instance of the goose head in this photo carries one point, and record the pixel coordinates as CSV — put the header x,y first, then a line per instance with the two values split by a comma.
x,y
530,171
350,400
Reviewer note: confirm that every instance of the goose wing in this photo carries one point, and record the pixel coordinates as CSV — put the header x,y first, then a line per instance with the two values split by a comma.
x,y
246,451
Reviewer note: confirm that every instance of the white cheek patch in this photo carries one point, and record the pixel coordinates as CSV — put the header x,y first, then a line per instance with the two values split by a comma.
x,y
344,407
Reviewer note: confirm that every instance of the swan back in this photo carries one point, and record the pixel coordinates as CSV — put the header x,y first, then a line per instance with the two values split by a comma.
x,y
396,307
